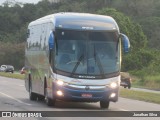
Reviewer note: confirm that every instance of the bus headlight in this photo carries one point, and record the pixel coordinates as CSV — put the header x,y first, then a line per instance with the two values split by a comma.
x,y
113,85
60,82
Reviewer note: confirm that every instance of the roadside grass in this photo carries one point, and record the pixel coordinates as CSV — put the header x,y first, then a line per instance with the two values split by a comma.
x,y
149,82
140,95
12,75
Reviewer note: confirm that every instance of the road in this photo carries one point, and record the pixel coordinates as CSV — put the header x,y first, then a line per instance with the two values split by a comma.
x,y
14,97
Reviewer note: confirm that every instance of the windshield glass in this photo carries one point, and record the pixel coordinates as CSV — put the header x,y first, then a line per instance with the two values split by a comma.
x,y
87,52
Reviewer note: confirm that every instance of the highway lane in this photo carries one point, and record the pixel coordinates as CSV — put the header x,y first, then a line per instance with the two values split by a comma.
x,y
14,97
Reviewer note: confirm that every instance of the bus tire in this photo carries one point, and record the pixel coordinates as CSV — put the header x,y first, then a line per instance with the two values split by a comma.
x,y
32,96
49,101
40,97
104,104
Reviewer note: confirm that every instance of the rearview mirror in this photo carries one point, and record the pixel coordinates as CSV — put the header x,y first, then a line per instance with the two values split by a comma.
x,y
126,42
51,41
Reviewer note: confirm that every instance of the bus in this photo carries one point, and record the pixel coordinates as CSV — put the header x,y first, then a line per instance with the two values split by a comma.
x,y
74,57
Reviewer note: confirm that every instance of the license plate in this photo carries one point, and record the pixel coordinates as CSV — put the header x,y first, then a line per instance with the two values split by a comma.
x,y
86,95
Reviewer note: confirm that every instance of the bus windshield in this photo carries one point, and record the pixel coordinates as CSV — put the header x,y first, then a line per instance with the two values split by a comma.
x,y
93,53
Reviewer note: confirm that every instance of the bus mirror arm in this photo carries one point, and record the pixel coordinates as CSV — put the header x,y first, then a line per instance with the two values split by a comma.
x,y
51,41
51,45
126,42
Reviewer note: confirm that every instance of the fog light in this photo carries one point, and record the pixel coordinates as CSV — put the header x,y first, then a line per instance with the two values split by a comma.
x,y
59,93
112,95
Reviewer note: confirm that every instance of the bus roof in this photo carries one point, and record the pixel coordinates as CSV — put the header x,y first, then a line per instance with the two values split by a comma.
x,y
79,21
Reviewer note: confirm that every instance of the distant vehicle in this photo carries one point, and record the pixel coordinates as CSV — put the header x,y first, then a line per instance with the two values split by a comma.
x,y
23,70
7,68
125,80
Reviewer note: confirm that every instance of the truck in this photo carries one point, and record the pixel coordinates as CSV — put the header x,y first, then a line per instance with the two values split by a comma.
x,y
74,57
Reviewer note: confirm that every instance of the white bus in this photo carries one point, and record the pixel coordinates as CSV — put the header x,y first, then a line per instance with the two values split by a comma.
x,y
74,57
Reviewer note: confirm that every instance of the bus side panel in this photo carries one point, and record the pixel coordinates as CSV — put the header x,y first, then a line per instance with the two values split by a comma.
x,y
49,80
43,57
37,57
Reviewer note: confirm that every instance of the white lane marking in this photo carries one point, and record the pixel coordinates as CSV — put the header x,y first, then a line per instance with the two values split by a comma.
x,y
21,85
123,109
14,98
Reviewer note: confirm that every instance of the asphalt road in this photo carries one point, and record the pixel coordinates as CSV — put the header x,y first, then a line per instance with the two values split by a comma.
x,y
14,97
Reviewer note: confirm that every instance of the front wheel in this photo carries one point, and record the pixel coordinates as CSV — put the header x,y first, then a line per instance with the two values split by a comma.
x,y
104,104
40,97
49,101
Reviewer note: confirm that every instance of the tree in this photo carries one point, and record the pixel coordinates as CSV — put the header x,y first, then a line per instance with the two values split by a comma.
x,y
151,28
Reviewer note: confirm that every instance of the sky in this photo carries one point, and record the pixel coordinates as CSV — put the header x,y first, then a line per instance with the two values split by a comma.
x,y
23,1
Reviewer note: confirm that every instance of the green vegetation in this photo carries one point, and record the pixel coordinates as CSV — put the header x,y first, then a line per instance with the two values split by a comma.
x,y
10,75
149,82
140,95
138,19
12,54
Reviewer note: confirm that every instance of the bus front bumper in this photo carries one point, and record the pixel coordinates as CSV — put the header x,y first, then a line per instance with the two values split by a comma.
x,y
86,94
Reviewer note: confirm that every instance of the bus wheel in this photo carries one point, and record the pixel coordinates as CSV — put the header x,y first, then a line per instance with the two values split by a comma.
x,y
40,97
104,104
32,96
49,101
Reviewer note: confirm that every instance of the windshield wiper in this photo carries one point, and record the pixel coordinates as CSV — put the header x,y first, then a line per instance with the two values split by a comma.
x,y
77,64
97,60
